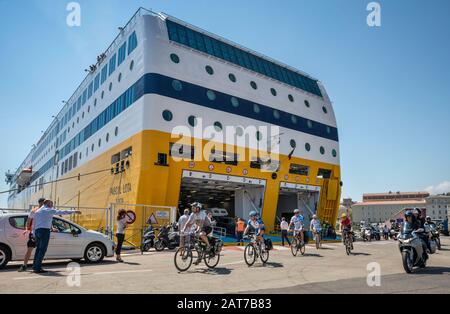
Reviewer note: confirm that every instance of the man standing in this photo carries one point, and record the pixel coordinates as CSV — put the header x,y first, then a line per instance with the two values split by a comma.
x,y
284,226
42,224
31,244
181,223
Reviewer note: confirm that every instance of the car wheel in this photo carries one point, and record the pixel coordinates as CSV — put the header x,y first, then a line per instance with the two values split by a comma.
x,y
5,256
95,252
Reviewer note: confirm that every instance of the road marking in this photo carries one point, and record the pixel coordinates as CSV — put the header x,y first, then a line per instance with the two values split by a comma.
x,y
121,272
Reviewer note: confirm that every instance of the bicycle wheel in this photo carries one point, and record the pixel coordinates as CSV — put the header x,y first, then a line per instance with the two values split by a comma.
x,y
348,248
250,254
317,241
294,246
264,256
302,248
183,259
212,259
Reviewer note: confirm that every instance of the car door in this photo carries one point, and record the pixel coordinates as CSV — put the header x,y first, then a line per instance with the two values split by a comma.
x,y
64,240
15,236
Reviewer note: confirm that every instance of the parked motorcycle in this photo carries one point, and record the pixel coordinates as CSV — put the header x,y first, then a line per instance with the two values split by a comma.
x,y
393,235
167,238
148,239
370,233
412,246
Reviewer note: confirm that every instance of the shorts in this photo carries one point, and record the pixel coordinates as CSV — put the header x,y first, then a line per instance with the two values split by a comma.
x,y
206,229
31,244
297,231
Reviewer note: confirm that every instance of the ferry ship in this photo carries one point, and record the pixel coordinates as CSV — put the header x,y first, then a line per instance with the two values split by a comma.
x,y
113,140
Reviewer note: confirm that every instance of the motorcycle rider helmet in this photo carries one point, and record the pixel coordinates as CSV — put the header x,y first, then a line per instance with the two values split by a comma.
x,y
197,205
253,213
296,211
428,219
408,213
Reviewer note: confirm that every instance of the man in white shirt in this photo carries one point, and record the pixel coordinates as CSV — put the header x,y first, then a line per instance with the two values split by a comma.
x,y
181,223
284,226
42,224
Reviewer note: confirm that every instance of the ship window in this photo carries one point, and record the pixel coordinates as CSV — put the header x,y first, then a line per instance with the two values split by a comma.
x,y
307,103
95,102
324,109
322,150
291,98
107,137
176,85
328,130
131,65
276,114
119,78
75,160
92,147
211,95
234,102
70,162
104,74
116,131
232,77
294,119
132,43
308,147
256,108
273,91
103,94
162,159
299,169
167,115
324,173
122,53
309,123
115,158
209,70
192,120
174,58
253,85
239,131
110,86
89,109
99,142
218,126
293,144
334,153
258,135
112,64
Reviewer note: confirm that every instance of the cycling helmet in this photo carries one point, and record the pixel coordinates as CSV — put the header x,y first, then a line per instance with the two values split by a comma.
x,y
253,213
314,216
296,211
197,205
301,217
344,215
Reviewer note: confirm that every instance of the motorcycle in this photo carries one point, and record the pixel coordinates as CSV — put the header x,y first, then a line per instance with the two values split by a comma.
x,y
366,234
393,235
435,236
148,239
411,246
167,238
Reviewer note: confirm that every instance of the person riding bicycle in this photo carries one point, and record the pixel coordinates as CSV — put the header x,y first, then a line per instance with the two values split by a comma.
x,y
297,222
346,225
256,223
202,222
315,225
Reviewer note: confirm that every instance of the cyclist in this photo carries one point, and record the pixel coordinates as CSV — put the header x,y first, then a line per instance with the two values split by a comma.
x,y
297,222
256,223
315,225
202,222
346,226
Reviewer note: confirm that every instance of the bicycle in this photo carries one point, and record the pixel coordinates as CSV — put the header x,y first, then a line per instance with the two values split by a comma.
x,y
297,245
348,242
185,256
317,239
253,250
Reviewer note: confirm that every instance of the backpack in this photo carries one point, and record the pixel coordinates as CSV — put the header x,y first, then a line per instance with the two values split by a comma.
x,y
268,243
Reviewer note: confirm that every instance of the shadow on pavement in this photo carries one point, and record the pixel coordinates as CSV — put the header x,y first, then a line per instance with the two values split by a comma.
x,y
215,271
360,253
432,270
312,255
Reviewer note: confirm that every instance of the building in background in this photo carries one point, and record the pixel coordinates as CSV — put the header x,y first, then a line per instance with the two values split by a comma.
x,y
438,206
381,207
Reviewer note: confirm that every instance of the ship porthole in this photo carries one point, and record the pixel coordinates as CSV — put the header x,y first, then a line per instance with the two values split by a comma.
x,y
116,131
322,150
234,102
253,85
211,95
293,144
218,126
307,103
294,119
192,120
239,131
324,110
310,124
174,58
308,147
167,115
131,65
276,114
209,70
273,91
256,108
232,77
334,153
176,85
291,98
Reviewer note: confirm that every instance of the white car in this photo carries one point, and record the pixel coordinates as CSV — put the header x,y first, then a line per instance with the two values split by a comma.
x,y
67,241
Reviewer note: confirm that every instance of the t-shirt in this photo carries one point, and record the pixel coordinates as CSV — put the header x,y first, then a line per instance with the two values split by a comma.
x,y
121,225
297,221
31,218
284,225
182,222
315,223
200,219
257,224
346,222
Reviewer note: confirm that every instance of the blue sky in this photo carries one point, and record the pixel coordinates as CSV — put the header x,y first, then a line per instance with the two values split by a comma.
x,y
390,86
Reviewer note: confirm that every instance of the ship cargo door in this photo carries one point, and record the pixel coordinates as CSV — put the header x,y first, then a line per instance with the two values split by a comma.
x,y
292,196
227,197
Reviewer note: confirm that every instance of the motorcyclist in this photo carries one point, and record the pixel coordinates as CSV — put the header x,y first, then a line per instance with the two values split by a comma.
x,y
201,220
429,222
414,223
